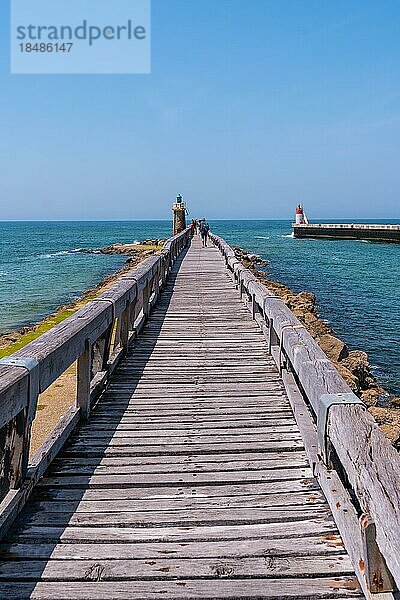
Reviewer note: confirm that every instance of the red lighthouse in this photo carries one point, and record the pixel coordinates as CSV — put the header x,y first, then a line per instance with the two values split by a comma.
x,y
300,217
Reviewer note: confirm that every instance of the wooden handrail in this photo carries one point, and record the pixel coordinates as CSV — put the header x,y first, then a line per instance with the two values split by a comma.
x,y
97,336
371,464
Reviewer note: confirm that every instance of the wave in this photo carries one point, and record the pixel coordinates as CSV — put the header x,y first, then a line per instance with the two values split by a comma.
x,y
66,252
54,254
262,237
289,235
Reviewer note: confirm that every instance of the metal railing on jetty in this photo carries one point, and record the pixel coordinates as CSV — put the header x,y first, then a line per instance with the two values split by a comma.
x,y
97,337
356,466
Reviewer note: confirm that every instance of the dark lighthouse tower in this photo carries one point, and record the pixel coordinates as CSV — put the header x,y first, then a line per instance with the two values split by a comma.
x,y
179,210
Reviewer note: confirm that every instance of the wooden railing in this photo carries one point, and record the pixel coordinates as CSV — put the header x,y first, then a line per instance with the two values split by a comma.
x,y
356,466
97,337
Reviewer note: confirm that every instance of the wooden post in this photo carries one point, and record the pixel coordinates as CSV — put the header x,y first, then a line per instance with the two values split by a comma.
x,y
146,296
17,447
122,333
157,284
253,305
83,381
376,572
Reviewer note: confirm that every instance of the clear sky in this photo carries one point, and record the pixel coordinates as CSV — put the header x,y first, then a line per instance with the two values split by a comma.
x,y
251,106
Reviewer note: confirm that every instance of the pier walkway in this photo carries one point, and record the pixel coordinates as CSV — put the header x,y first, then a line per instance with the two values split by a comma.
x,y
191,477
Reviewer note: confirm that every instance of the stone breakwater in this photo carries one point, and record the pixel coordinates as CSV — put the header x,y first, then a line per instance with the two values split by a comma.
x,y
353,365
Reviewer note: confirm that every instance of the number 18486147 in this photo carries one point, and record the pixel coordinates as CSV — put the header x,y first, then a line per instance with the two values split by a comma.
x,y
49,47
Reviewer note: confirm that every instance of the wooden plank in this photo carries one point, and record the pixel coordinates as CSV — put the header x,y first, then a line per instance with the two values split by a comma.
x,y
304,500
318,526
212,477
347,519
325,545
124,423
246,589
186,448
173,517
124,465
168,568
373,468
13,393
192,432
65,492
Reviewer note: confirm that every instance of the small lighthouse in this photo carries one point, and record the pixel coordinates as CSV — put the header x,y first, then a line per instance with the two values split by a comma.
x,y
179,210
300,216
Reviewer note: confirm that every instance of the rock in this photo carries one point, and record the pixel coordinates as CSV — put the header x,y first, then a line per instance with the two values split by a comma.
x,y
152,242
249,260
349,377
357,362
376,395
388,420
334,348
305,301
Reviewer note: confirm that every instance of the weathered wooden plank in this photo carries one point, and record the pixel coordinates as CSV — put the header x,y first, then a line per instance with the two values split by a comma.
x,y
246,589
297,500
125,424
174,517
186,448
373,468
63,493
167,568
124,465
13,393
317,525
144,441
176,479
193,432
325,545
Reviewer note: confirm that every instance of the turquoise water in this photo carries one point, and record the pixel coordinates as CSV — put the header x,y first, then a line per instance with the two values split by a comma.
x,y
41,266
357,283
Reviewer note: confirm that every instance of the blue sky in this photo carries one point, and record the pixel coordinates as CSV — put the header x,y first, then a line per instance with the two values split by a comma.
x,y
251,106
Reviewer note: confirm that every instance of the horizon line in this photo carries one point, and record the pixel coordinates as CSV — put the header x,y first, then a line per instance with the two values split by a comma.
x,y
165,220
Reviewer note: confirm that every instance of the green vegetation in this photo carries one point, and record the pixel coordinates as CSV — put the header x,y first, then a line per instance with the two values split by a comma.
x,y
42,328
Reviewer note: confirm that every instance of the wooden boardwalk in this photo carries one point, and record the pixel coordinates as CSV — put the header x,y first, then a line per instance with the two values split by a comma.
x,y
190,479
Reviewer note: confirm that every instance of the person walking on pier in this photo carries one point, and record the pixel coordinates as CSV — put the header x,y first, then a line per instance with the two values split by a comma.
x,y
204,230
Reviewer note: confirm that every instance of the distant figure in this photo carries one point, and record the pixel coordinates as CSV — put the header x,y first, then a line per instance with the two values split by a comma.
x,y
192,228
204,231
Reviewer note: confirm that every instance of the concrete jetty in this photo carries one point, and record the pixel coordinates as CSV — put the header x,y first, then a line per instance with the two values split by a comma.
x,y
344,231
348,231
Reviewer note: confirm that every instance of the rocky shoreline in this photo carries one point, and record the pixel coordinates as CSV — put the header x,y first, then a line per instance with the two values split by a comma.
x,y
353,365
135,254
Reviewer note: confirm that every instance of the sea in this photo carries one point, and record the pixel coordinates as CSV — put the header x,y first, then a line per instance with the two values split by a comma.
x,y
43,265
